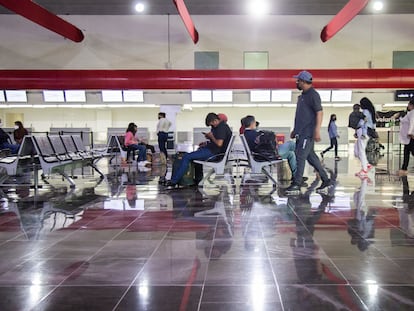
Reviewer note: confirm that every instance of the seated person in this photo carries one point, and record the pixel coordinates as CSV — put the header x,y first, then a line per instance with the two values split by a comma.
x,y
218,139
132,143
285,150
19,132
5,142
263,144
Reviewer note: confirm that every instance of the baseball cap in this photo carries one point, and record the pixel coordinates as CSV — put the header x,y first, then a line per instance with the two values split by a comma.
x,y
304,75
222,117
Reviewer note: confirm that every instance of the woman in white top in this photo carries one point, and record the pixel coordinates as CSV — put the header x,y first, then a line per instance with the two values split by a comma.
x,y
407,136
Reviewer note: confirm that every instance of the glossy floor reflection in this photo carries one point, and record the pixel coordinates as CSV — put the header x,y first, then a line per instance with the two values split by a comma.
x,y
127,243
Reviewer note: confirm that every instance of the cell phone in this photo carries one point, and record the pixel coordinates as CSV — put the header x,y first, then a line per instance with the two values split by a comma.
x,y
203,133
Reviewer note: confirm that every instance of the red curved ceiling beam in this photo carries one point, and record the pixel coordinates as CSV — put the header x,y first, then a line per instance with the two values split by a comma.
x,y
203,79
44,18
188,22
344,16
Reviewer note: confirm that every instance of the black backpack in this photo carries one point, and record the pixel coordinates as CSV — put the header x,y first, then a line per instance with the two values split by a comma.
x,y
266,146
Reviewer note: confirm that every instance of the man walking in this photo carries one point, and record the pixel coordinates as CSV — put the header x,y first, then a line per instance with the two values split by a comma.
x,y
308,120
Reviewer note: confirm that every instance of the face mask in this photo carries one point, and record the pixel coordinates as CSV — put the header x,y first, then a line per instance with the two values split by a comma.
x,y
16,127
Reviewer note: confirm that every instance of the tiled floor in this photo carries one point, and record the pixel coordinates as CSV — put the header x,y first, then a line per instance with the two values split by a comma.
x,y
127,243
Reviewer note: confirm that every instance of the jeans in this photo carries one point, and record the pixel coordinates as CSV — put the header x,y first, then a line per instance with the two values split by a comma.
x,y
162,142
334,143
287,151
14,148
304,151
142,154
200,154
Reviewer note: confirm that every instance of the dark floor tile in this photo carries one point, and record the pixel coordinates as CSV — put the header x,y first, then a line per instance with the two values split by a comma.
x,y
234,306
320,298
306,271
107,271
43,272
239,272
254,295
161,298
379,270
22,297
139,249
164,271
83,250
378,297
82,298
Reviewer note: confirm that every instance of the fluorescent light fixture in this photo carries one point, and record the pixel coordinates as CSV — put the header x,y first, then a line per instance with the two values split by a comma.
x,y
281,95
244,105
223,96
259,96
269,105
133,96
395,105
342,105
199,105
113,96
45,106
2,98
53,96
289,105
20,106
200,96
325,95
75,96
221,105
17,96
341,96
70,105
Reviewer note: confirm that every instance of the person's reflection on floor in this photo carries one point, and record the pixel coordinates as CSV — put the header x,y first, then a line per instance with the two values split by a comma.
x,y
305,251
361,228
221,230
406,213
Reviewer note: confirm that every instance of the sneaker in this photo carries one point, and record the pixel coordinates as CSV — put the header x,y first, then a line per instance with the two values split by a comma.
x,y
324,186
293,189
337,159
144,169
362,173
171,185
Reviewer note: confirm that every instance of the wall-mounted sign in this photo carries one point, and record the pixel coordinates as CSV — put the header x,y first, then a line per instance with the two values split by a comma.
x,y
403,95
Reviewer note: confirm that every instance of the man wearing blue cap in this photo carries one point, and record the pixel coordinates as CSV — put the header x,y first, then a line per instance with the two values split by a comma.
x,y
308,120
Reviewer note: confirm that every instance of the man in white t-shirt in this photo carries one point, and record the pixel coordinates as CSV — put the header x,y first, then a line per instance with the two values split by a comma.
x,y
163,126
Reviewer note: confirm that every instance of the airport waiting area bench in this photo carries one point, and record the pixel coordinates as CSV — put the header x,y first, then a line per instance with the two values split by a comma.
x,y
258,164
52,154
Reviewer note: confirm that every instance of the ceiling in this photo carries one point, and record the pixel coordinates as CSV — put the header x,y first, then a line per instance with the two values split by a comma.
x,y
210,7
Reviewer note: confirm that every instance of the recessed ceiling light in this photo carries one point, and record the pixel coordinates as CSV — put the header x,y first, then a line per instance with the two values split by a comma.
x,y
378,5
139,7
258,7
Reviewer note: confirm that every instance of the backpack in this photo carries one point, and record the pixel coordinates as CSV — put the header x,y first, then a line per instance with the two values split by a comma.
x,y
354,119
266,146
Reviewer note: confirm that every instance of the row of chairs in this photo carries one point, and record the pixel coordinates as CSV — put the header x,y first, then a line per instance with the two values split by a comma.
x,y
219,163
52,154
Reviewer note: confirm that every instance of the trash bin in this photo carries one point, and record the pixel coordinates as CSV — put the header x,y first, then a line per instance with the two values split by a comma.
x,y
170,140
